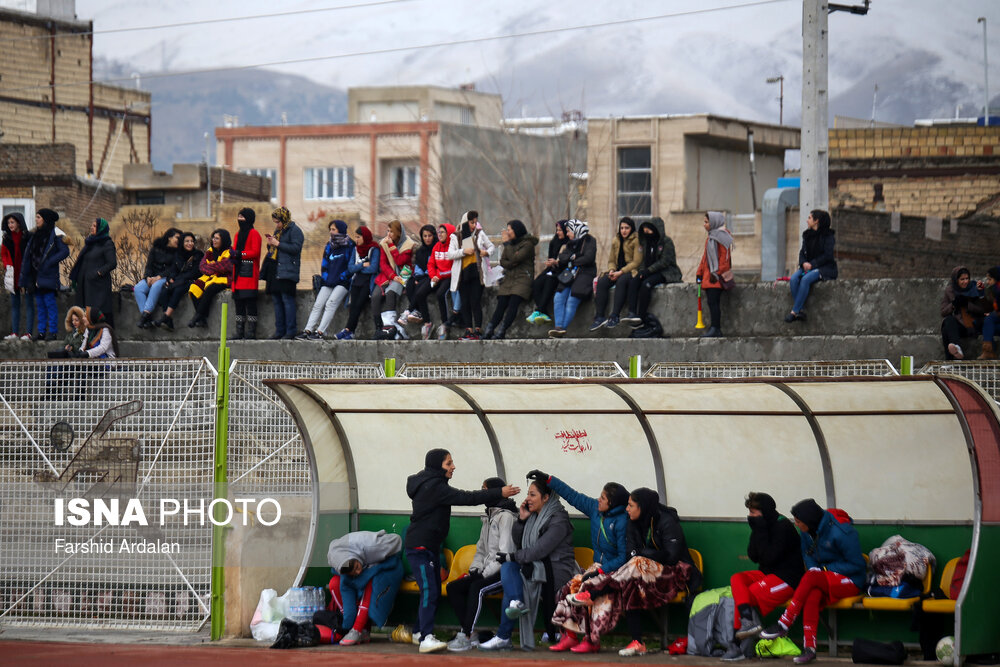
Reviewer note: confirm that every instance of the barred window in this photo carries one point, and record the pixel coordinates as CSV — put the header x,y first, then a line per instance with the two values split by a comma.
x,y
635,183
329,183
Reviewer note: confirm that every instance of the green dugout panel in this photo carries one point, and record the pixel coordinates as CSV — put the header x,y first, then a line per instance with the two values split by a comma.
x,y
917,455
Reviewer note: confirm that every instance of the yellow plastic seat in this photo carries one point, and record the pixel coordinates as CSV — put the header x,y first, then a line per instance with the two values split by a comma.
x,y
698,563
898,604
584,557
946,606
411,586
460,563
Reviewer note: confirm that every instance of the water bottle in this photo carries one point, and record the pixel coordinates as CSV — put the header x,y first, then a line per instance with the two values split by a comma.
x,y
297,610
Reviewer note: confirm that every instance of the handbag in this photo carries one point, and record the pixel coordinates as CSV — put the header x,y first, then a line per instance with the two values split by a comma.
x,y
246,269
727,280
317,283
566,276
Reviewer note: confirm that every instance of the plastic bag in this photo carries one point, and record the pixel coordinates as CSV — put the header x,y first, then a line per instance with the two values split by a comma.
x,y
267,617
8,279
492,273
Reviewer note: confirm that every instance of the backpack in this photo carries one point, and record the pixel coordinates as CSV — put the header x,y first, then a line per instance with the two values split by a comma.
x,y
650,328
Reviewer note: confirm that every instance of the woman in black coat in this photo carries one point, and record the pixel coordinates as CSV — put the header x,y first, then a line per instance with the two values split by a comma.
x,y
579,256
92,270
544,286
184,271
817,261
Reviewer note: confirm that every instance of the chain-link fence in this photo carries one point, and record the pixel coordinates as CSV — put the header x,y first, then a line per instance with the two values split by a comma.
x,y
698,370
538,371
96,455
266,453
984,373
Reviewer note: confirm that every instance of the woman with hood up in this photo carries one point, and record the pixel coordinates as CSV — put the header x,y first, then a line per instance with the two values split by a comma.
x,y
336,281
716,259
467,248
367,571
817,261
495,537
658,266
216,270
186,268
962,310
419,287
99,340
12,253
579,255
518,262
439,269
362,267
624,259
659,567
831,550
40,271
608,528
246,274
774,546
432,497
395,269
543,289
541,565
92,269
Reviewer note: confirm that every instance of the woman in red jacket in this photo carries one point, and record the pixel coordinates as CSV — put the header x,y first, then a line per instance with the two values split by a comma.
x,y
439,269
15,241
246,273
715,260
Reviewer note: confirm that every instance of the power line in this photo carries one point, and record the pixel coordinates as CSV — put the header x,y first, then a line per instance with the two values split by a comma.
x,y
398,49
186,24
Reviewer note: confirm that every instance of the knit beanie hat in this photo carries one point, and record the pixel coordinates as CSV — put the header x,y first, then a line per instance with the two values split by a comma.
x,y
518,227
48,215
434,458
808,512
248,214
341,226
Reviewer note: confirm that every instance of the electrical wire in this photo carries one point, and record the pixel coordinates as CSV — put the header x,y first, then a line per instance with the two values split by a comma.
x,y
399,49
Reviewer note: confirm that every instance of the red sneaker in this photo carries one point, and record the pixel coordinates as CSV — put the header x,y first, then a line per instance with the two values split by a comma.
x,y
567,642
634,649
586,647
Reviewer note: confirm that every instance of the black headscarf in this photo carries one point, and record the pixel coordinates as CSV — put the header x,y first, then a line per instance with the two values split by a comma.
x,y
768,509
249,216
504,503
648,502
225,243
812,239
810,513
617,495
434,459
41,235
556,244
518,228
423,253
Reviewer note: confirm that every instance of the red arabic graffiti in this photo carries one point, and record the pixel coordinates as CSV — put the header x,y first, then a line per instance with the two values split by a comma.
x,y
574,441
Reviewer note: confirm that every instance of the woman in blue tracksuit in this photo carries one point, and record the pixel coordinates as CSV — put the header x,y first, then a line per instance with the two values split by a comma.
x,y
608,527
336,278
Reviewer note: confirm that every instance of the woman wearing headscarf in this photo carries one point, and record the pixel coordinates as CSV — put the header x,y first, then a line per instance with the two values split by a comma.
x,y
624,259
467,248
962,309
395,269
281,270
187,267
542,563
518,262
99,341
13,253
659,567
363,266
216,271
246,274
439,269
158,265
40,271
608,528
432,497
91,272
495,537
715,260
76,326
336,281
543,288
580,257
421,284
817,261
657,266
831,551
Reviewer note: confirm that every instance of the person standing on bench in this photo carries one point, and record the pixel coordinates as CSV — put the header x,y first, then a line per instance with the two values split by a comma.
x,y
832,552
774,546
465,594
432,498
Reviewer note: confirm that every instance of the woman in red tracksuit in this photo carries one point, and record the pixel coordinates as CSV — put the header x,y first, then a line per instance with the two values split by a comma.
x,y
439,269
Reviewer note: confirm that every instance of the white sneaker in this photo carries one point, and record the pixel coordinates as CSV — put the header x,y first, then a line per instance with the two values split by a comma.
x,y
517,609
442,332
404,318
26,336
431,644
496,644
425,331
12,336
415,638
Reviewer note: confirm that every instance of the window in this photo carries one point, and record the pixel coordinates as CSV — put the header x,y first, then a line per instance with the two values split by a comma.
x,y
329,183
635,183
266,173
150,198
25,207
404,182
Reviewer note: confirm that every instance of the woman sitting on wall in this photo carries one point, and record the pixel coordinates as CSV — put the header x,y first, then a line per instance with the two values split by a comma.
x,y
817,261
363,266
658,266
624,259
216,268
577,270
419,287
518,262
962,309
187,267
154,278
336,280
541,565
543,289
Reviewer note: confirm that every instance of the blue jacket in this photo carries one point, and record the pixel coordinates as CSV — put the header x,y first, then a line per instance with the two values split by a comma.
x,y
356,266
610,549
290,253
335,264
836,548
46,274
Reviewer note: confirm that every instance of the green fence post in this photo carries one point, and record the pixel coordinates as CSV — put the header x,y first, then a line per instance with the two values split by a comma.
x,y
635,366
906,365
389,366
218,605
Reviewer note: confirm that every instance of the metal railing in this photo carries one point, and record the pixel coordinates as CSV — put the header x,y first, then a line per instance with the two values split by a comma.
x,y
984,373
536,371
870,367
122,434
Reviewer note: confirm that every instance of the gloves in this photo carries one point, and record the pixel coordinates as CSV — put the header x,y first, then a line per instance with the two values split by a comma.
x,y
505,557
538,476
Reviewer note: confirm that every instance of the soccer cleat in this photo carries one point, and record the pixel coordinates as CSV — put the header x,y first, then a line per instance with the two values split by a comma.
x,y
565,644
748,628
354,637
586,646
633,649
774,631
808,655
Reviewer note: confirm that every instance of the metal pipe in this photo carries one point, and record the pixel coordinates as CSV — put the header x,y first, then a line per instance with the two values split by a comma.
x,y
986,75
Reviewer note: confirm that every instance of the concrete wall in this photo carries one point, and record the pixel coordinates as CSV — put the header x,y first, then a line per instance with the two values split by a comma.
x,y
848,319
407,104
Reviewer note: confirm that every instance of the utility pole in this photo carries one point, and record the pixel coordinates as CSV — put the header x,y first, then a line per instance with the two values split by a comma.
x,y
814,188
780,80
986,75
